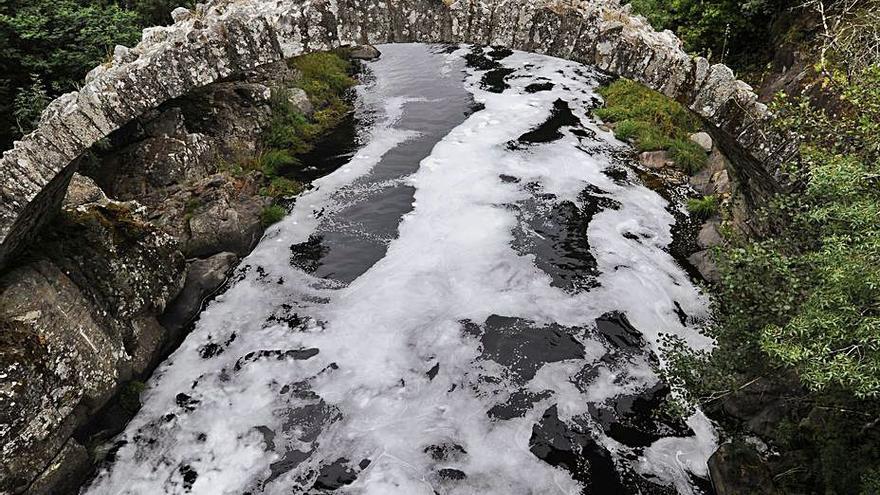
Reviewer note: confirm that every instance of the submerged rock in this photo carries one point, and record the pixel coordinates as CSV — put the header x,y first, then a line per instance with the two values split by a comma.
x,y
559,444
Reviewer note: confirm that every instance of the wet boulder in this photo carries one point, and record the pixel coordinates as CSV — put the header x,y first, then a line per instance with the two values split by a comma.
x,y
216,214
736,469
703,140
705,264
225,221
713,178
203,278
364,52
709,235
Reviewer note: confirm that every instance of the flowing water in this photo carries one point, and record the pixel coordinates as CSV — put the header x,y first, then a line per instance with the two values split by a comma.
x,y
470,303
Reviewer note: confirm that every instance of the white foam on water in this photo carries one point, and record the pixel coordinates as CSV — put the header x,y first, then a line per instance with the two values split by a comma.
x,y
453,260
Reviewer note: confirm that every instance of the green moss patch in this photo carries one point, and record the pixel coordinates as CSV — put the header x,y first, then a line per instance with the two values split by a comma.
x,y
652,121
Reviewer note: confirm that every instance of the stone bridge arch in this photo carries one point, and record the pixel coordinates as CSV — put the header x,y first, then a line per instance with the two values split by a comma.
x,y
219,39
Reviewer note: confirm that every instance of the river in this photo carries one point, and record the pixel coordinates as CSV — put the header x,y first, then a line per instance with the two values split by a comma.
x,y
471,302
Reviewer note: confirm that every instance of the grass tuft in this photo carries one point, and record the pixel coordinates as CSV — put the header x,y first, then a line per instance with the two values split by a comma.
x,y
703,208
282,187
272,214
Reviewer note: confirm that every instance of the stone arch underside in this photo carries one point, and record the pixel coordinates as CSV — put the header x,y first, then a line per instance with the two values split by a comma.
x,y
226,37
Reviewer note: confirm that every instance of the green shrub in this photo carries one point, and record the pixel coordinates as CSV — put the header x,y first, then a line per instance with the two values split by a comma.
x,y
54,42
29,104
326,78
703,208
729,31
803,300
272,214
156,12
192,204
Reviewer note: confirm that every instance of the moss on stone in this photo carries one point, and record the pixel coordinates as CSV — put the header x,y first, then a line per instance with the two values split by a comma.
x,y
116,219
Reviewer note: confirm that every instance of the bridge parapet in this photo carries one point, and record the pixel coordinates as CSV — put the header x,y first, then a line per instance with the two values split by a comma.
x,y
223,38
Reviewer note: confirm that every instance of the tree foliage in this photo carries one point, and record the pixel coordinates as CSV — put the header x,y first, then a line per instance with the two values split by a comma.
x,y
723,30
832,336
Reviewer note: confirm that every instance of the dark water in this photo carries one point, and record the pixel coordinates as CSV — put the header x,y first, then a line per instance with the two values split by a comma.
x,y
345,251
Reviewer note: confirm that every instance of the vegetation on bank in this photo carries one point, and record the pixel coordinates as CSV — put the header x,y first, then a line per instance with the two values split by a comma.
x,y
326,78
803,300
272,214
797,310
703,208
806,298
49,45
652,122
